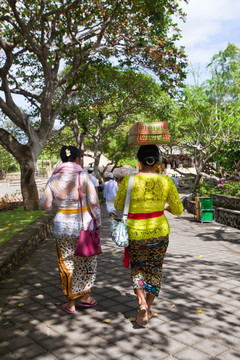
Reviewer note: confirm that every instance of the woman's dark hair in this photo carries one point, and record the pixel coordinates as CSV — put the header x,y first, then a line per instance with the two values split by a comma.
x,y
148,154
69,153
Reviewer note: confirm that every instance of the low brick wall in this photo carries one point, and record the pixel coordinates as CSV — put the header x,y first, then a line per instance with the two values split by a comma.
x,y
11,206
223,215
15,250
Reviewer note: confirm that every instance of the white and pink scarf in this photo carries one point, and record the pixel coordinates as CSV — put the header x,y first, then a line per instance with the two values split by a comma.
x,y
68,168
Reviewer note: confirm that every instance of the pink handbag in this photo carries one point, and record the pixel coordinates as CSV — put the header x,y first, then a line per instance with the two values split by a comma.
x,y
89,243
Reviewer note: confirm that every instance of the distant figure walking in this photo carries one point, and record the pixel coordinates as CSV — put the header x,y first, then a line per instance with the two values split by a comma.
x,y
175,180
62,192
100,191
110,192
92,177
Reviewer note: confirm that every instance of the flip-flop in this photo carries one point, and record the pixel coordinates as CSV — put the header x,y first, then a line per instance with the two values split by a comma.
x,y
64,308
87,305
150,315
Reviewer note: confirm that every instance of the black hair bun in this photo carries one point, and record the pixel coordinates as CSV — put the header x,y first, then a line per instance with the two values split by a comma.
x,y
148,154
149,160
69,153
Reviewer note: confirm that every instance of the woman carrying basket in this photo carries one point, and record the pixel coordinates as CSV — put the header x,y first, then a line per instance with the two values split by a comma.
x,y
148,228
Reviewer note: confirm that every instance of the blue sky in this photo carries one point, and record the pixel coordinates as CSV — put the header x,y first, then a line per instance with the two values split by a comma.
x,y
210,25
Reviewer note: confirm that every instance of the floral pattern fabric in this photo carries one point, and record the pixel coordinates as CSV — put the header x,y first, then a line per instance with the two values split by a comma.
x,y
146,263
77,273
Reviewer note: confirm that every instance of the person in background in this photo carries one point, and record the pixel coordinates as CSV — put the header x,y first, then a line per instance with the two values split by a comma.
x,y
110,191
175,180
100,191
92,177
77,274
148,229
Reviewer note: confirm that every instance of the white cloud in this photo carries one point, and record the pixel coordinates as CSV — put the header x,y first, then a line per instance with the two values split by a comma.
x,y
206,18
212,9
210,25
200,34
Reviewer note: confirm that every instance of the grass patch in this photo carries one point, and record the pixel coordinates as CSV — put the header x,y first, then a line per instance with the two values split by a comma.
x,y
11,222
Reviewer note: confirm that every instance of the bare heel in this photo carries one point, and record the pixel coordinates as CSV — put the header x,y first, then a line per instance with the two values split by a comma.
x,y
142,317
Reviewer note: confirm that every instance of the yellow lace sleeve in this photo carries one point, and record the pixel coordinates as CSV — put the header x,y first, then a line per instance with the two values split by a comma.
x,y
121,194
174,200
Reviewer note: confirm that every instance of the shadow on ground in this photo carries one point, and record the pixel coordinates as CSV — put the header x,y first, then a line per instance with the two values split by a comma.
x,y
197,295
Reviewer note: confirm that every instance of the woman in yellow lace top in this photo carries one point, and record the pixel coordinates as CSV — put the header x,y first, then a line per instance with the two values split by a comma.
x,y
148,228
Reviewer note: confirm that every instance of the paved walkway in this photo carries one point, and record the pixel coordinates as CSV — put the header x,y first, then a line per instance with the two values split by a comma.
x,y
197,313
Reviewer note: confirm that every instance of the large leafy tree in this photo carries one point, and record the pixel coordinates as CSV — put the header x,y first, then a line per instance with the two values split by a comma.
x,y
38,38
210,113
106,101
225,86
225,81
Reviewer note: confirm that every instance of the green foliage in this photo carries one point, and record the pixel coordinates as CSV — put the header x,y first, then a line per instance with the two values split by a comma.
x,y
38,37
132,161
228,156
7,162
228,186
205,189
54,144
109,101
136,32
209,114
11,222
225,82
117,149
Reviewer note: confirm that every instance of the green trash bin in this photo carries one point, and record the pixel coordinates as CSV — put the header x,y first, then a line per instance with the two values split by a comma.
x,y
206,209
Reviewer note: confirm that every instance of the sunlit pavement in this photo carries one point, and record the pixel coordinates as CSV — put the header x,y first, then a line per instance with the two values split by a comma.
x,y
197,314
8,188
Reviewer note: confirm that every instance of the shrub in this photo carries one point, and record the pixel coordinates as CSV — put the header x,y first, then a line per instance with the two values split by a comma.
x,y
228,186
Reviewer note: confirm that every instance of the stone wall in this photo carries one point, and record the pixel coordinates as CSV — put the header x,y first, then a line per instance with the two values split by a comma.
x,y
228,217
223,215
15,250
226,201
11,206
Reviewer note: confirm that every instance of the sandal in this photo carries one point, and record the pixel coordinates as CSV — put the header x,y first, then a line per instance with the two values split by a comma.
x,y
90,304
65,308
142,317
150,315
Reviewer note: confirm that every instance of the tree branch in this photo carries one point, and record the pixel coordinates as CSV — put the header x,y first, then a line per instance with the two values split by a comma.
x,y
10,143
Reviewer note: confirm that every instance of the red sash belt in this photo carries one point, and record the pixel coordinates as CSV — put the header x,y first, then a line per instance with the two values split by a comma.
x,y
140,216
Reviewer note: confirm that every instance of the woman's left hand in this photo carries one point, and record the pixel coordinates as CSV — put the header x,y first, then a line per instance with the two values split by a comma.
x,y
167,207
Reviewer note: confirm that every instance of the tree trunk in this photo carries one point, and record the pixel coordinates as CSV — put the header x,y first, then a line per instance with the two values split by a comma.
x,y
28,185
82,149
197,181
77,135
96,166
238,166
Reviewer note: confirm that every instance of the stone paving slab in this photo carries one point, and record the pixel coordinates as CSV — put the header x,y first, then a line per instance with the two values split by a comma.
x,y
197,312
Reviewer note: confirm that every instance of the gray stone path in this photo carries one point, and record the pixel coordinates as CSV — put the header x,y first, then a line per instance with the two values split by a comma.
x,y
197,313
